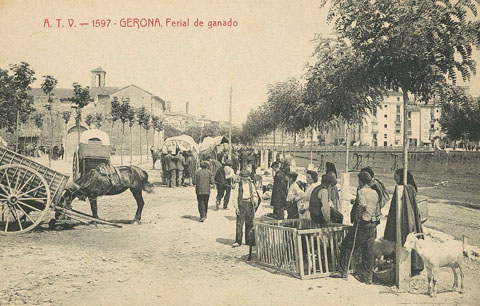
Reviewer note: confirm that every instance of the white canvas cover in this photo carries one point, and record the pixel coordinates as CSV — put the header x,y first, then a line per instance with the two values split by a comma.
x,y
209,143
95,136
184,142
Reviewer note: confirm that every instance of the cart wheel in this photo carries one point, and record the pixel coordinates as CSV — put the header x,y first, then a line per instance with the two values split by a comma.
x,y
75,166
24,198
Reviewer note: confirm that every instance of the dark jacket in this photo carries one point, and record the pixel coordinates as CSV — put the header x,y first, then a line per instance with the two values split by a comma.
x,y
180,162
169,162
280,190
220,177
411,222
203,179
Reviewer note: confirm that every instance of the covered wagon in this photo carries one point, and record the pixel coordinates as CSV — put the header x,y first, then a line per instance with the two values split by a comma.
x,y
94,149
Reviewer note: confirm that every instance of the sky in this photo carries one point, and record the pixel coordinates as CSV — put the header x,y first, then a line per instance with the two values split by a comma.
x,y
272,42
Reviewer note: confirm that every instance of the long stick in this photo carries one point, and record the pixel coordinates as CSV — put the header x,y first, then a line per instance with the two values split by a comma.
x,y
230,125
75,213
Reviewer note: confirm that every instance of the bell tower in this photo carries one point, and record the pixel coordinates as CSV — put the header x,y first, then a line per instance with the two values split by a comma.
x,y
98,77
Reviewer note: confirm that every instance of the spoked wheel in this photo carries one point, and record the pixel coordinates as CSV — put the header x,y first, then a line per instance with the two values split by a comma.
x,y
75,166
24,198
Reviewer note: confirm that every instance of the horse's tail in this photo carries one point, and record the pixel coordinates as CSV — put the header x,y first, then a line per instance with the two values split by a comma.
x,y
148,187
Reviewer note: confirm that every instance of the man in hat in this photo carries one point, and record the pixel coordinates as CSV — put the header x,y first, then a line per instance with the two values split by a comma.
x,y
204,179
180,164
279,191
224,180
319,206
171,168
245,208
361,237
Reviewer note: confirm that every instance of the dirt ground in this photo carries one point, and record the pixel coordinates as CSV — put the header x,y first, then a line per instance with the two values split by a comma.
x,y
172,259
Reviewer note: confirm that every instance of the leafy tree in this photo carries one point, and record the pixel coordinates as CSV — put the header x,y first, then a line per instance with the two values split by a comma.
x,y
115,111
409,45
89,120
15,99
146,125
66,115
141,119
124,118
99,119
157,126
131,121
460,114
38,119
49,83
170,131
81,98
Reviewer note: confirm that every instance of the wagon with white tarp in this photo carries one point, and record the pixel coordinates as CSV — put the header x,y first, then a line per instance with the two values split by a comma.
x,y
94,149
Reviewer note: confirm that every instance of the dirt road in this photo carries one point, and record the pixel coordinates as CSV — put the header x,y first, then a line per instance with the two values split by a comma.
x,y
172,259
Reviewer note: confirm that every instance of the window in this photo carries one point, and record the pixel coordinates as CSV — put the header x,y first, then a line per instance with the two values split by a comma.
x,y
375,136
385,144
397,142
398,108
385,136
398,100
432,126
409,114
385,126
385,116
385,105
398,118
397,131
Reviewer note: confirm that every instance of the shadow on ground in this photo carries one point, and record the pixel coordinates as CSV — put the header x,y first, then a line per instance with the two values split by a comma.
x,y
190,217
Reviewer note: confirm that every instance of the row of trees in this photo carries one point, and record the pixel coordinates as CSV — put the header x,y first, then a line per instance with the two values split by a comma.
x,y
127,114
414,47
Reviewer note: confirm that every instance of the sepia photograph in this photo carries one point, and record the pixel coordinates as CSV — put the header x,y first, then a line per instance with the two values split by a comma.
x,y
227,152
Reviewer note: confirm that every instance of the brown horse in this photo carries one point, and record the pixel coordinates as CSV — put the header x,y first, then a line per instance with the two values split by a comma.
x,y
97,183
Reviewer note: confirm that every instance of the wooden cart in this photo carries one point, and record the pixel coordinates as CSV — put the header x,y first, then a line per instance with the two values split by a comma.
x,y
27,190
94,149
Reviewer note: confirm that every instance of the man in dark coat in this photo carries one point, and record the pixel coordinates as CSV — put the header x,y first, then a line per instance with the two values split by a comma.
x,y
189,169
204,179
235,161
180,164
171,169
279,191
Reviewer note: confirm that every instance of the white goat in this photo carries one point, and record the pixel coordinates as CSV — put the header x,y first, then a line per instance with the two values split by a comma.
x,y
436,255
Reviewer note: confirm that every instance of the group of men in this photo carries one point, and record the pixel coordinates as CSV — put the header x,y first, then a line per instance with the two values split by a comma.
x,y
178,169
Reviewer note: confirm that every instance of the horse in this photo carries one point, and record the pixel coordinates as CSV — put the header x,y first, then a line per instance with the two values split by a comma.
x,y
108,180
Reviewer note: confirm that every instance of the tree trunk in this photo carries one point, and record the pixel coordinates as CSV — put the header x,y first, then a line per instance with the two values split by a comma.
x,y
121,146
402,264
51,134
140,136
146,138
131,146
282,141
17,125
274,132
346,147
311,146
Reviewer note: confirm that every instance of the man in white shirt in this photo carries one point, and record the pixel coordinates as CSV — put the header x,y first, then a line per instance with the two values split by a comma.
x,y
245,209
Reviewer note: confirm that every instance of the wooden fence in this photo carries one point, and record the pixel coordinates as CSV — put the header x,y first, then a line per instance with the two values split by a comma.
x,y
296,247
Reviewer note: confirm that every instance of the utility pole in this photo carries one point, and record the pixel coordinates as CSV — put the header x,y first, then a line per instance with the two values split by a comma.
x,y
230,125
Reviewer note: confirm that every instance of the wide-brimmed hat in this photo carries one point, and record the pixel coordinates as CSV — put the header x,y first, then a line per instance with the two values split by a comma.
x,y
245,173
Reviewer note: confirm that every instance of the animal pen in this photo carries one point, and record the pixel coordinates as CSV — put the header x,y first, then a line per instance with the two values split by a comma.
x,y
298,247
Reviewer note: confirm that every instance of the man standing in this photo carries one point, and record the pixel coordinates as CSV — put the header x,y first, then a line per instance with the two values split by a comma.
x,y
279,191
180,164
171,169
189,169
362,237
220,183
245,209
319,201
204,179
